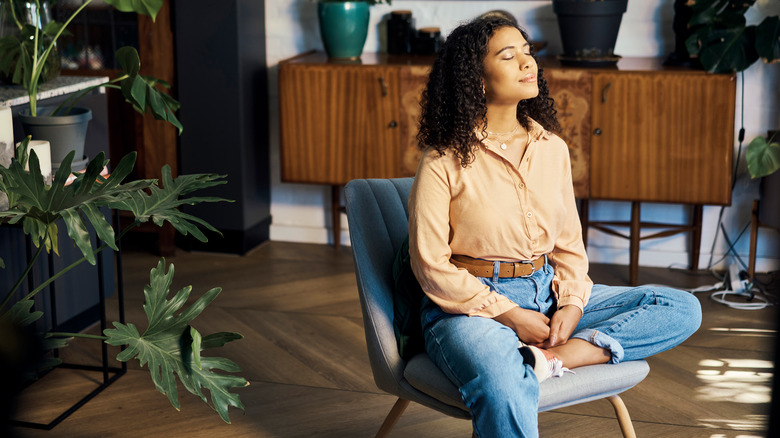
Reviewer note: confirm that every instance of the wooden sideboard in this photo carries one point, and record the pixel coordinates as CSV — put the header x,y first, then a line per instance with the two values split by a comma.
x,y
637,131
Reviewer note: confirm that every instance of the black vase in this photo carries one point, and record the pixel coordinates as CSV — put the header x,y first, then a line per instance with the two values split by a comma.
x,y
589,29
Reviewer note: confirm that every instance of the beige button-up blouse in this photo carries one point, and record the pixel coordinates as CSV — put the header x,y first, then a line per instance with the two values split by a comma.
x,y
495,210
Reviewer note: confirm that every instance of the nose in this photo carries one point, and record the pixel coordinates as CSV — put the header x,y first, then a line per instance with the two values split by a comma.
x,y
525,61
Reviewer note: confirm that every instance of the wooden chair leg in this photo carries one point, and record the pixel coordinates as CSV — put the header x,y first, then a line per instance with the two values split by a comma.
x,y
624,419
395,413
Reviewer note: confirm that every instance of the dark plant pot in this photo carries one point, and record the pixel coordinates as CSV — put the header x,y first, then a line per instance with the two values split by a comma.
x,y
64,133
344,28
769,209
589,28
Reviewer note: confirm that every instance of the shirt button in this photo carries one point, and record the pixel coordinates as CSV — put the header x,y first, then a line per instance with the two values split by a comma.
x,y
521,185
529,214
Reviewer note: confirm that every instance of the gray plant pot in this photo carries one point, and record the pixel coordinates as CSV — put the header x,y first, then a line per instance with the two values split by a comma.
x,y
64,133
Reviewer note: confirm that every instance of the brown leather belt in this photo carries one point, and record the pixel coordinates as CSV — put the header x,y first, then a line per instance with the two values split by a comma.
x,y
484,268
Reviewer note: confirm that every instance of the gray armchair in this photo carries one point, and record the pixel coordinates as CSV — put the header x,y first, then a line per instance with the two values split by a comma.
x,y
378,213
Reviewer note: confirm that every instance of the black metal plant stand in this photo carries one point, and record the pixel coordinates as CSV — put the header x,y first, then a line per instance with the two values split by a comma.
x,y
110,374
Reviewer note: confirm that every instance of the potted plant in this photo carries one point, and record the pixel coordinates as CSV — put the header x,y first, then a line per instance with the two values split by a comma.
x,y
169,344
344,26
25,59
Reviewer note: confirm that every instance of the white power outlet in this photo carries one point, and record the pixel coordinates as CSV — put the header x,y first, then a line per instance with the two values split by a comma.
x,y
736,284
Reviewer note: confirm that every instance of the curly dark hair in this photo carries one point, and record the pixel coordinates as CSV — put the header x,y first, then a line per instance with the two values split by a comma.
x,y
453,102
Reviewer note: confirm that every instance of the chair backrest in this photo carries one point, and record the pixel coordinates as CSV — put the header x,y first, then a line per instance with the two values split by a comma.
x,y
378,217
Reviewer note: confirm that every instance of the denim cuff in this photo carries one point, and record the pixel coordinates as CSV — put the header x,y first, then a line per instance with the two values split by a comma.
x,y
602,340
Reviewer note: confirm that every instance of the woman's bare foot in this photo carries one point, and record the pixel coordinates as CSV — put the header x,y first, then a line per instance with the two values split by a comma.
x,y
578,352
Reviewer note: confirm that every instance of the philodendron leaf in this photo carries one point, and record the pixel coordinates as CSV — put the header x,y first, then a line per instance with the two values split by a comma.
x,y
22,314
129,60
141,91
763,157
161,204
39,207
145,7
171,346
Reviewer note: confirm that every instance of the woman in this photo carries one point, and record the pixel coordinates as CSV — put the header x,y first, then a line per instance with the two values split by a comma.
x,y
496,242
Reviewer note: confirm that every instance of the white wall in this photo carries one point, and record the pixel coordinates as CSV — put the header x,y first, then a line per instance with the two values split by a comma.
x,y
301,213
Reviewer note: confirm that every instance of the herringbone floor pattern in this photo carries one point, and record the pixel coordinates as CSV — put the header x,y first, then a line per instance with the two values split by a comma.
x,y
304,354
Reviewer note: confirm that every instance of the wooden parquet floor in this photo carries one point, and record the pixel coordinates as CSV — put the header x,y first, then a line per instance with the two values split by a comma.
x,y
304,354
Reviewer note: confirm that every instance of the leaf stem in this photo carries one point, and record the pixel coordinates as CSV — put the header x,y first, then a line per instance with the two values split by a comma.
x,y
32,87
18,283
74,335
74,264
13,14
77,96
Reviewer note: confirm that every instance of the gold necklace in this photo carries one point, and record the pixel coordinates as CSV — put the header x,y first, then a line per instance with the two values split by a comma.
x,y
508,135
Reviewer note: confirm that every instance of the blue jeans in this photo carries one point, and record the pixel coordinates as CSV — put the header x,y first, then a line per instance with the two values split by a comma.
x,y
480,355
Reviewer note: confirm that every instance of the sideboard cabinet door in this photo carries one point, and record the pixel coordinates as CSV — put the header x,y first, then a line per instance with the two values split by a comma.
x,y
662,137
338,122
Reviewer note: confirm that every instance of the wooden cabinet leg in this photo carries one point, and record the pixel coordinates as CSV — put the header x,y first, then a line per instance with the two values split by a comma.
x,y
335,201
696,236
633,263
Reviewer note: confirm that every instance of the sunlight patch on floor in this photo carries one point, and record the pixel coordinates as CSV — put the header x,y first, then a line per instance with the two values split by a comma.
x,y
732,380
749,422
735,380
756,333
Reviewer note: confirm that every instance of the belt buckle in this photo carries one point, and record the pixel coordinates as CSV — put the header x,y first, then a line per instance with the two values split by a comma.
x,y
533,267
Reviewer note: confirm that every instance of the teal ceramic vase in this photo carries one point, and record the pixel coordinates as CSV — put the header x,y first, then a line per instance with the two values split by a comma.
x,y
344,27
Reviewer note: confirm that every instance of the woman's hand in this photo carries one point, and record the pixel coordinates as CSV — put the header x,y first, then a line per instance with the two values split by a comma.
x,y
562,325
531,327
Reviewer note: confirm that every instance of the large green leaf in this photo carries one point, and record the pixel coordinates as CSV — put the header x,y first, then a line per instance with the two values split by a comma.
x,y
39,207
171,346
722,40
725,50
22,314
763,156
160,204
145,7
141,91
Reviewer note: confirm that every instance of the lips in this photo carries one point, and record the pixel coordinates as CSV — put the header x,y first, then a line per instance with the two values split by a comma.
x,y
531,78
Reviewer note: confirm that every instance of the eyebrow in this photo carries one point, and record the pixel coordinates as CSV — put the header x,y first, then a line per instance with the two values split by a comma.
x,y
527,44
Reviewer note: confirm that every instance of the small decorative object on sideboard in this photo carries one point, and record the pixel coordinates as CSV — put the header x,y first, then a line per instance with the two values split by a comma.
x,y
428,41
400,32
